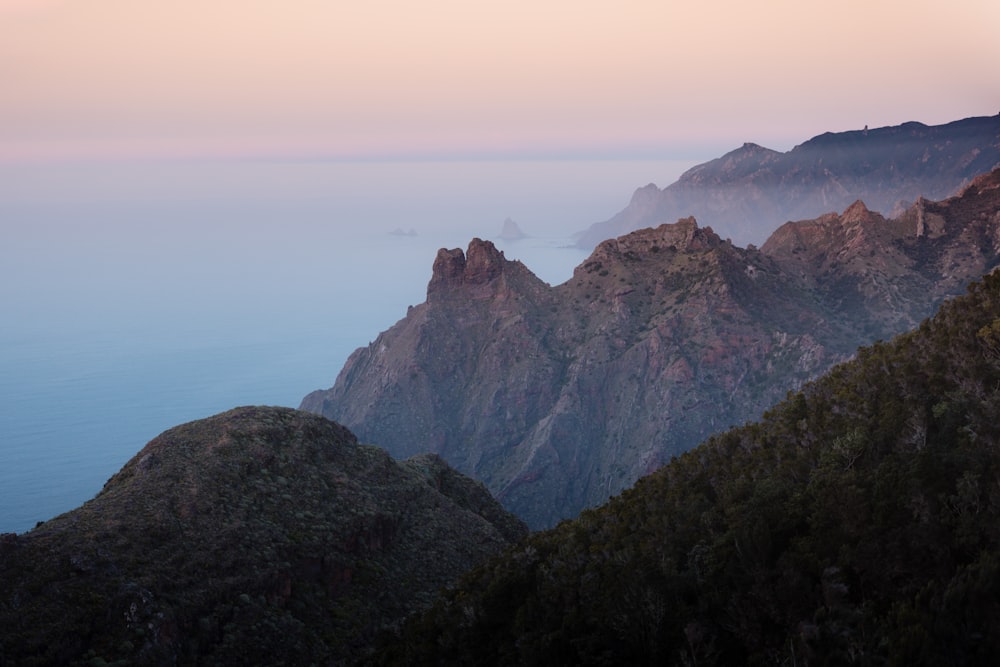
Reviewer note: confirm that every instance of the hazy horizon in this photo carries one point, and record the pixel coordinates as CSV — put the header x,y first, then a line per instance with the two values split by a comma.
x,y
196,198
140,297
124,80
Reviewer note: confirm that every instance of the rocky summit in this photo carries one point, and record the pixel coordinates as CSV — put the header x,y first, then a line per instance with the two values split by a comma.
x,y
559,397
747,192
892,273
258,536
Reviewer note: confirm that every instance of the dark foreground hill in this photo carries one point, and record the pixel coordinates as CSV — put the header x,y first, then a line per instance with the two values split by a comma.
x,y
559,397
258,536
857,523
747,192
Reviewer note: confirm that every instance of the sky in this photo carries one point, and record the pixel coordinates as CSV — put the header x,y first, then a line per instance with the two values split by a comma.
x,y
441,79
183,175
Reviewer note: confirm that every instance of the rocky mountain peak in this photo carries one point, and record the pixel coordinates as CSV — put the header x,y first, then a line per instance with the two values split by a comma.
x,y
750,148
748,151
983,183
645,195
682,236
857,213
738,163
479,265
483,262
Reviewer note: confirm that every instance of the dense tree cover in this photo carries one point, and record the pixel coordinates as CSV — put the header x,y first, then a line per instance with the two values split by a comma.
x,y
856,523
259,536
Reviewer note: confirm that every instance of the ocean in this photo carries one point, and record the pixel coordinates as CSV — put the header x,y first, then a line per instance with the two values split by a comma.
x,y
136,297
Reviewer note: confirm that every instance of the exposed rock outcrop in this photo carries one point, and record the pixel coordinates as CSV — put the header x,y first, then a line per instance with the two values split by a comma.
x,y
889,273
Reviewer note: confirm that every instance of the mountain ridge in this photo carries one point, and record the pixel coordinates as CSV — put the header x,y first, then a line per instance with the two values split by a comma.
x,y
507,377
746,191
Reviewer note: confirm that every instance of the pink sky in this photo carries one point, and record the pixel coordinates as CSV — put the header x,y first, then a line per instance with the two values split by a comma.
x,y
439,78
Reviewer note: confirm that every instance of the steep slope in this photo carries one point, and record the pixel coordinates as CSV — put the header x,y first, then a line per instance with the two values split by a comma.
x,y
558,397
258,536
858,523
894,273
746,192
507,378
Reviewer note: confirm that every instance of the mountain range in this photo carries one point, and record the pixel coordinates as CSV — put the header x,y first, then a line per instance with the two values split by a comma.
x,y
745,193
560,397
856,522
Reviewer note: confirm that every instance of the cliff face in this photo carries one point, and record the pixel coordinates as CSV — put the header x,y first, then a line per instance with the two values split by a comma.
x,y
746,192
558,397
856,522
892,273
259,536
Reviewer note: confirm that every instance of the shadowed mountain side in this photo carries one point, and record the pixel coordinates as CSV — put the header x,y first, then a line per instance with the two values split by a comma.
x,y
258,536
857,523
559,397
746,192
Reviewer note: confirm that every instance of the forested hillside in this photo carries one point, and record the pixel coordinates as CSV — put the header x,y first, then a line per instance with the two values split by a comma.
x,y
260,536
856,523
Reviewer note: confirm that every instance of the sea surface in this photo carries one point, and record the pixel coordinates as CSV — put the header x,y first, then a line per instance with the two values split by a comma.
x,y
136,297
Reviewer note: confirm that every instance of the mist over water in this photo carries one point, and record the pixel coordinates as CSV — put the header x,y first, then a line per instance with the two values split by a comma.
x,y
135,297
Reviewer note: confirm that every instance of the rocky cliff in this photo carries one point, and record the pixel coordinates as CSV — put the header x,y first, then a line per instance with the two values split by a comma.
x,y
888,274
747,192
858,522
258,536
559,397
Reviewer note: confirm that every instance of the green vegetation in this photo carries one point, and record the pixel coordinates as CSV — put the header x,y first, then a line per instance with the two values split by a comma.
x,y
259,536
857,523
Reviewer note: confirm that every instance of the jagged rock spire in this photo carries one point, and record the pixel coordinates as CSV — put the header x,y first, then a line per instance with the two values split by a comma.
x,y
480,264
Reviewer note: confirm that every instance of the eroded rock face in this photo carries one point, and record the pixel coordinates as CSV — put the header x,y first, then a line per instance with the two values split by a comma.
x,y
258,536
449,270
558,397
892,273
479,267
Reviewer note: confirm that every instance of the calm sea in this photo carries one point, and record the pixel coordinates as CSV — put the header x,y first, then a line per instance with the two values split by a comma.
x,y
137,297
